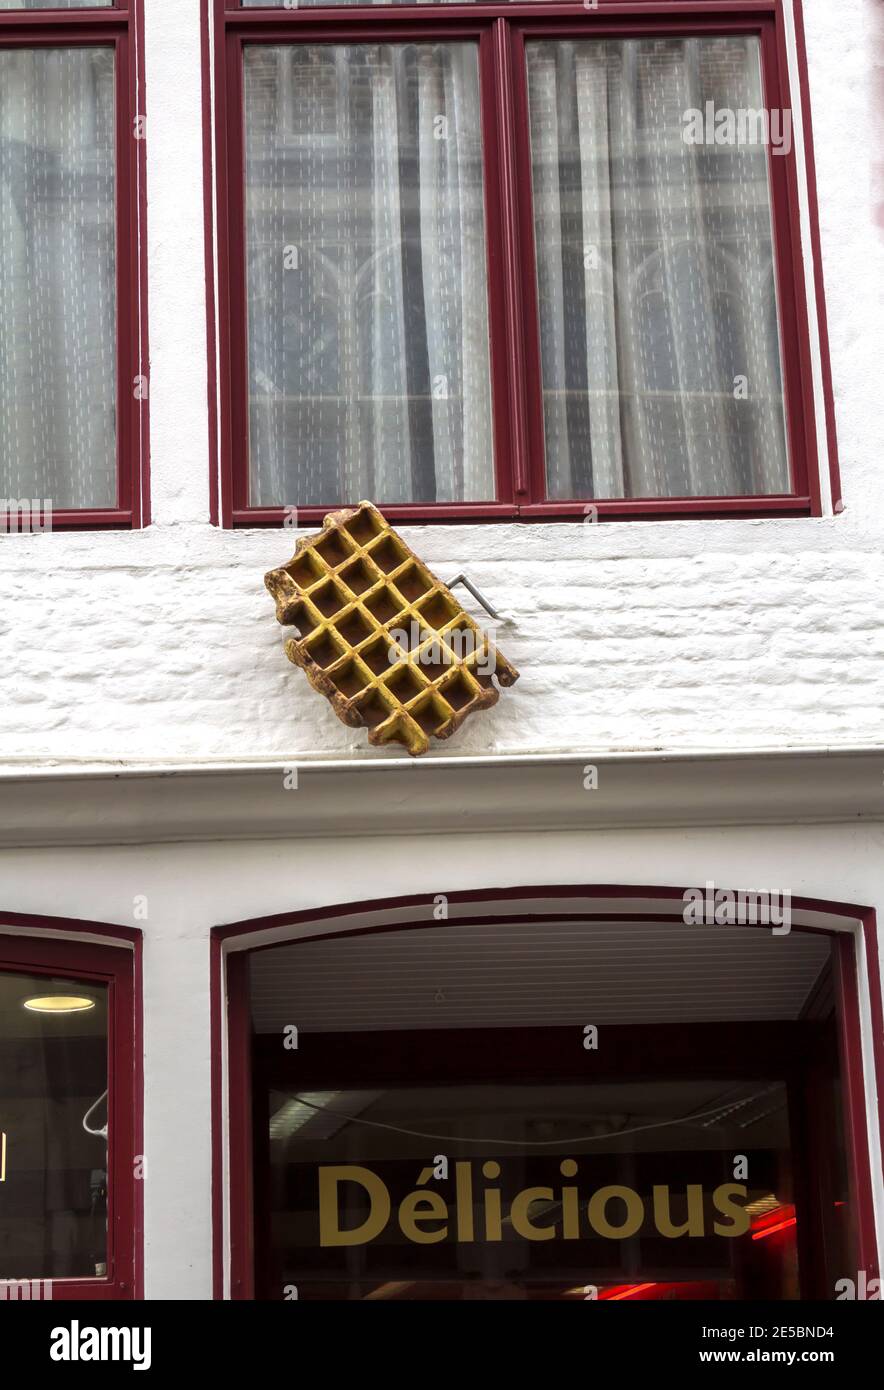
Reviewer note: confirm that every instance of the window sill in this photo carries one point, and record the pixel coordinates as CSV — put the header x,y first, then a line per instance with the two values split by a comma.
x,y
606,509
66,519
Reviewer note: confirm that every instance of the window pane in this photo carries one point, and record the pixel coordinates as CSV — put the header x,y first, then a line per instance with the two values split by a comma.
x,y
658,320
57,268
466,1042
367,298
307,4
55,4
53,1084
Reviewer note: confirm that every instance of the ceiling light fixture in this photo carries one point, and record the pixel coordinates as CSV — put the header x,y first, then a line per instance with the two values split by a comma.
x,y
59,1004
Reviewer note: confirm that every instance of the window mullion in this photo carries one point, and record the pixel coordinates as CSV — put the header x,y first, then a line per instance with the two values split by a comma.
x,y
510,118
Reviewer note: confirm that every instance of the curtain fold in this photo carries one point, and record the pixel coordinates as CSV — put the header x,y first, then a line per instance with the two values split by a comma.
x,y
57,276
662,251
368,352
56,4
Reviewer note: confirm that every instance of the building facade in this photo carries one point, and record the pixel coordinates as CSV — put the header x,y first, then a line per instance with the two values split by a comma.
x,y
586,1001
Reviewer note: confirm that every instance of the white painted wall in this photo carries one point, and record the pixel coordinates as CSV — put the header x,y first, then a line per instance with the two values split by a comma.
x,y
190,888
162,645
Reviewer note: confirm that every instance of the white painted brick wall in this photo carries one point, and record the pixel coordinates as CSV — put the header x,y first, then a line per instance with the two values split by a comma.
x,y
162,645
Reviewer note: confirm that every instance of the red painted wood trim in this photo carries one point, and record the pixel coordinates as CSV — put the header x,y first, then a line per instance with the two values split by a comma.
x,y
233,12
606,509
217,1026
242,1273
510,401
32,922
523,213
854,1102
504,426
207,20
797,364
803,77
797,373
128,346
141,409
876,1010
247,926
123,29
45,945
222,252
68,520
402,512
106,17
138,1105
513,316
239,932
233,382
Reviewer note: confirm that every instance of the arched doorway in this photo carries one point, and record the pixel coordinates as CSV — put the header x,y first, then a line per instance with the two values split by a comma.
x,y
550,1093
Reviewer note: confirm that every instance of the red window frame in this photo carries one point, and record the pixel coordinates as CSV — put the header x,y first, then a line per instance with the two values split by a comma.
x,y
53,947
119,26
501,27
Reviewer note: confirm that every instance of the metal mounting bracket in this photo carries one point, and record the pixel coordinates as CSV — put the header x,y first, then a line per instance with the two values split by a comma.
x,y
477,594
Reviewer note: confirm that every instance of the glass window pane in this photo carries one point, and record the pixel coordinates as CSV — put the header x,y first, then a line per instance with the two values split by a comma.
x,y
658,317
307,4
611,1165
55,4
53,1127
57,276
366,277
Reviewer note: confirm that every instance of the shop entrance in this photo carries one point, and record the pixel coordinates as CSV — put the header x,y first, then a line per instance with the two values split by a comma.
x,y
549,1109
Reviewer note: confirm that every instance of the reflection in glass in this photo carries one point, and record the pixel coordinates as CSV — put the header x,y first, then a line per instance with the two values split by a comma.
x,y
615,1165
670,1212
53,1122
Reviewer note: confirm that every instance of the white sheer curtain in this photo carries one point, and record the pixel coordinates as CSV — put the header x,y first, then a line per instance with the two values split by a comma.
x,y
308,4
366,274
57,276
655,273
55,4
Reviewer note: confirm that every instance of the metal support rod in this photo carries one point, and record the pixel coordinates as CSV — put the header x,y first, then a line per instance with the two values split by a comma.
x,y
477,595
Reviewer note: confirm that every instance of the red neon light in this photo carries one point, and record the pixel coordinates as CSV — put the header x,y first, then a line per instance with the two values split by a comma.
x,y
769,1230
628,1293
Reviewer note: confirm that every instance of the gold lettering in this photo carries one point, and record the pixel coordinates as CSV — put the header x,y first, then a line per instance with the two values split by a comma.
x,y
330,1232
739,1219
663,1214
435,1208
570,1211
419,1208
463,1184
493,1230
635,1212
522,1223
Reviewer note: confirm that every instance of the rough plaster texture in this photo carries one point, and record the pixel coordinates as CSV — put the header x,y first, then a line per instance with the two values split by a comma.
x,y
160,646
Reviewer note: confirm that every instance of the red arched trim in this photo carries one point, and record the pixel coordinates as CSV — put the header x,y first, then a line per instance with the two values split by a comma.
x,y
853,925
98,950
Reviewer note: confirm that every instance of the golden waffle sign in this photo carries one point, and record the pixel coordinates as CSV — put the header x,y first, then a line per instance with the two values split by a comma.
x,y
382,638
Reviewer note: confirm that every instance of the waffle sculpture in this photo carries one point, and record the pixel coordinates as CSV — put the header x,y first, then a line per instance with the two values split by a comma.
x,y
381,638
